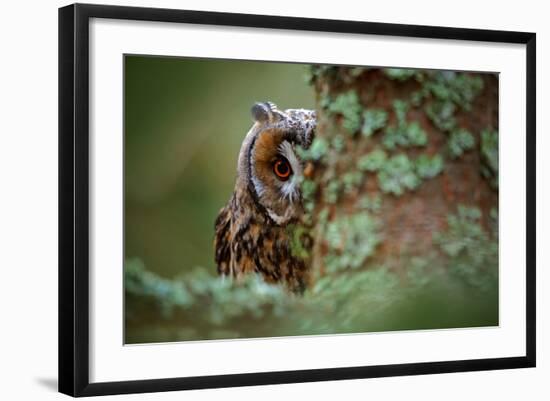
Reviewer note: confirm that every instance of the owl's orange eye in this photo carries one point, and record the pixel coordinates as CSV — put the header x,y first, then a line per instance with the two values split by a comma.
x,y
282,169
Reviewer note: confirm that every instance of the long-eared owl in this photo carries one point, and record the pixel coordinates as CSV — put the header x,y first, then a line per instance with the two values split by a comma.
x,y
251,233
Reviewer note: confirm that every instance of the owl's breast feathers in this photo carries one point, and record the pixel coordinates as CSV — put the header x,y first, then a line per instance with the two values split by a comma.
x,y
251,230
249,242
222,241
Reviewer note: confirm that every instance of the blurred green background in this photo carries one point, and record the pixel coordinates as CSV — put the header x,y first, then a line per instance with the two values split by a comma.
x,y
185,120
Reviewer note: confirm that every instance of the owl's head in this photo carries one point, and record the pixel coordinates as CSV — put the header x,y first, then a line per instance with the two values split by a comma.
x,y
268,163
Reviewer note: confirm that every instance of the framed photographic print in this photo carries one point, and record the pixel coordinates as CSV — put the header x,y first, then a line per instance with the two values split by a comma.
x,y
250,199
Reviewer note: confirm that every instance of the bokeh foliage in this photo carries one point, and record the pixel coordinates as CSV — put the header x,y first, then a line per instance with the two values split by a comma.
x,y
198,305
185,120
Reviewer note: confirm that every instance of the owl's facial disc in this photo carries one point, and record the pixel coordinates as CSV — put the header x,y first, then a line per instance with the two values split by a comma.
x,y
290,184
276,173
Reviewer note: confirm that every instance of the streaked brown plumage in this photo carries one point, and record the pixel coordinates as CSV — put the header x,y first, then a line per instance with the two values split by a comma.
x,y
251,230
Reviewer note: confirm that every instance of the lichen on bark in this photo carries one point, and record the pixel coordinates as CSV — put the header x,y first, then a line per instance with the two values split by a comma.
x,y
421,143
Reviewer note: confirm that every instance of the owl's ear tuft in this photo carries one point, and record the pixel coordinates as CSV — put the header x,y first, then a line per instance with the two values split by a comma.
x,y
264,112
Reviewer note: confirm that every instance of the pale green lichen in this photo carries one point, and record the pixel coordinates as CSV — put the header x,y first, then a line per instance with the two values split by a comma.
x,y
332,192
448,90
400,107
372,161
351,181
460,141
457,87
189,291
398,175
472,253
316,152
297,234
404,133
401,74
489,155
338,143
348,106
350,239
316,71
429,167
309,190
442,114
373,120
371,204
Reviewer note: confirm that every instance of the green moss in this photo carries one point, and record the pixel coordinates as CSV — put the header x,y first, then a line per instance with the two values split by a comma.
x,y
429,167
489,156
371,204
350,239
332,192
140,282
316,152
351,181
324,101
400,74
441,113
317,71
404,133
457,87
347,105
338,143
309,190
355,72
188,292
373,120
346,301
493,221
400,107
372,161
377,278
460,141
398,175
417,97
297,234
472,253
322,217
415,135
448,90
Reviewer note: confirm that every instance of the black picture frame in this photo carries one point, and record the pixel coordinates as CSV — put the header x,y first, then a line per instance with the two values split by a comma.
x,y
74,198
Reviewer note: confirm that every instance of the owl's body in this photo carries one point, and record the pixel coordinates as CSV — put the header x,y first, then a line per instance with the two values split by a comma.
x,y
251,231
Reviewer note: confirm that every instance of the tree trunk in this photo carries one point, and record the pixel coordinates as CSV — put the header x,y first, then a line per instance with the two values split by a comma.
x,y
396,153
